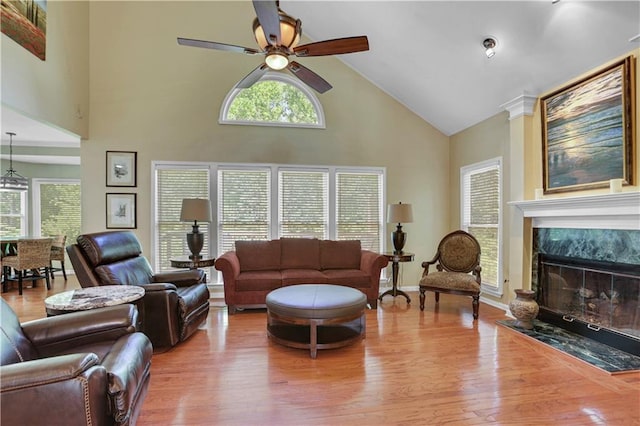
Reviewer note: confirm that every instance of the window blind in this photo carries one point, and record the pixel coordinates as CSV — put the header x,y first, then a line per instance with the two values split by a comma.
x,y
359,208
243,206
303,205
60,210
172,185
481,215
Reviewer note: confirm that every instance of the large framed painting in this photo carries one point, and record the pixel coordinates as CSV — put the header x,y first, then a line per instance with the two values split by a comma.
x,y
25,22
588,131
121,211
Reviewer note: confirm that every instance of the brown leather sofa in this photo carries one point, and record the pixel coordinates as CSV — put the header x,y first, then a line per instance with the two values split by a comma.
x,y
175,304
84,368
255,268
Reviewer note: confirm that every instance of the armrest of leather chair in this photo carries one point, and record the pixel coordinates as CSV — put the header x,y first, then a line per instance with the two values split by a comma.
x,y
128,364
43,391
60,333
184,278
45,371
158,287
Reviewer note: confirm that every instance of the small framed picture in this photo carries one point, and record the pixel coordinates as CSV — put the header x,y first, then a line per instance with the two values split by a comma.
x,y
121,168
121,211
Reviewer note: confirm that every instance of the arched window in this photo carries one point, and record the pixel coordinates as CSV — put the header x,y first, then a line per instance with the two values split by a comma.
x,y
276,100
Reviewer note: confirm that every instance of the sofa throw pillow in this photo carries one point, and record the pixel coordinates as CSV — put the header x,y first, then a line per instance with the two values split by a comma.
x,y
340,254
258,255
300,253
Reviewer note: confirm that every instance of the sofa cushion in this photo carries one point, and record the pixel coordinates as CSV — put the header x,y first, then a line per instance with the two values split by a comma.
x,y
340,254
349,277
258,255
258,281
303,276
300,253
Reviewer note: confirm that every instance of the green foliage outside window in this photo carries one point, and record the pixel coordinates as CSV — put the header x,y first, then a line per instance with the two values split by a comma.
x,y
272,101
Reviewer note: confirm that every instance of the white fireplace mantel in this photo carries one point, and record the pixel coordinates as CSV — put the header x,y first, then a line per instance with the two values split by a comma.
x,y
607,211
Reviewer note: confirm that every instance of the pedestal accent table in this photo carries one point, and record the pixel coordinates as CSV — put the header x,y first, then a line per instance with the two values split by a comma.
x,y
395,259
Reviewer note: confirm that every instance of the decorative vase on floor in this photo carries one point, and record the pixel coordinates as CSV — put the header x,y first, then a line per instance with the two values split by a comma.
x,y
524,308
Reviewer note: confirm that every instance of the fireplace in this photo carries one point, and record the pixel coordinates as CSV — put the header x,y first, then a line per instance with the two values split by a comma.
x,y
597,299
585,265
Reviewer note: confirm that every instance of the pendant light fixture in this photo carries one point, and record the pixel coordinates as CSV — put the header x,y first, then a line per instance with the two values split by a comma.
x,y
11,179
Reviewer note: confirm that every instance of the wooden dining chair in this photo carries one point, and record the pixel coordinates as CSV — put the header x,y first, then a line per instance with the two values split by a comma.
x,y
32,255
57,254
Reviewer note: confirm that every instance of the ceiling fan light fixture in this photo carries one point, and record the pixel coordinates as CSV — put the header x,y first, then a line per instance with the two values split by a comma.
x,y
490,44
277,61
290,31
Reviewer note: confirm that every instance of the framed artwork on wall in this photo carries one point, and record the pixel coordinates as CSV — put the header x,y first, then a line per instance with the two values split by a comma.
x,y
588,131
121,168
121,211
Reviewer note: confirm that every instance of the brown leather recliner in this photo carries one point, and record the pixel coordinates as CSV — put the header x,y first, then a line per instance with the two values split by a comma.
x,y
175,304
88,367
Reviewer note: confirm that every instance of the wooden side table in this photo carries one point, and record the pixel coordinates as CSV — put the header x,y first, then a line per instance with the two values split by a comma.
x,y
186,263
395,259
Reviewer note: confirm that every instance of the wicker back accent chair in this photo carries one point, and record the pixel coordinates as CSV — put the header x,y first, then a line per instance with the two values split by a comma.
x,y
57,254
458,255
32,255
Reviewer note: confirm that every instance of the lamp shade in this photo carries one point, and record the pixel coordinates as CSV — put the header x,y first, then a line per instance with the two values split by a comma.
x,y
197,209
399,213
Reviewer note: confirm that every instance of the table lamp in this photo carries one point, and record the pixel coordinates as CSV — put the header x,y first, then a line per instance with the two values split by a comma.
x,y
399,213
195,209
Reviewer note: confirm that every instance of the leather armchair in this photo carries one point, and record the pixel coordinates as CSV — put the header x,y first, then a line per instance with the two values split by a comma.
x,y
175,304
89,367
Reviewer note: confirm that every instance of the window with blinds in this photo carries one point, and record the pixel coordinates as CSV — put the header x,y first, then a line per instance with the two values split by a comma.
x,y
58,208
481,216
359,208
244,205
303,207
262,202
13,221
172,185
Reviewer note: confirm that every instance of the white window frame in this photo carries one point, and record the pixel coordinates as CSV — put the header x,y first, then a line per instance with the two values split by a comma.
x,y
283,78
274,225
498,289
24,216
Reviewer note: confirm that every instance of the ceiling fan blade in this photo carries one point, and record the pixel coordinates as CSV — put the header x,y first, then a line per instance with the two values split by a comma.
x,y
267,12
309,77
218,46
252,77
336,46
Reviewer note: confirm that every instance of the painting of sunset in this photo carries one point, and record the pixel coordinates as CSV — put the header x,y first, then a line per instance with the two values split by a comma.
x,y
25,21
584,139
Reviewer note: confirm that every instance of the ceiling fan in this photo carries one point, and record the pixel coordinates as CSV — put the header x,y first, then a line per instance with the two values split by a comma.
x,y
277,35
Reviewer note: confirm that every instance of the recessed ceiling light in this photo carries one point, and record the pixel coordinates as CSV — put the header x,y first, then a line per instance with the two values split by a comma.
x,y
490,44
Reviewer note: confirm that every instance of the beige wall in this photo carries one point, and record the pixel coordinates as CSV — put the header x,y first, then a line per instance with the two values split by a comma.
x,y
150,95
518,141
55,91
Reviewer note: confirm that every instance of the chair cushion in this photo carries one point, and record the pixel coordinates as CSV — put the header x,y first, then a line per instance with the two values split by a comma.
x,y
302,276
451,281
300,253
14,345
348,277
107,247
340,254
258,281
127,272
258,255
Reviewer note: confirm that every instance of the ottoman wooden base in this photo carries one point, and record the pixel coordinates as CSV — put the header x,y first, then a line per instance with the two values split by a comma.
x,y
291,311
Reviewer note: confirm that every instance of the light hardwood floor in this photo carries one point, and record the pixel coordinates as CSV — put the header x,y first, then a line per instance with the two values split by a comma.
x,y
425,368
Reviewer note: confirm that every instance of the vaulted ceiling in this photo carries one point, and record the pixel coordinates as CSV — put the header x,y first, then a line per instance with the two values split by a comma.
x,y
429,55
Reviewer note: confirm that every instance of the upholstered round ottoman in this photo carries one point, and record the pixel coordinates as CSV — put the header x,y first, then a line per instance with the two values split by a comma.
x,y
316,316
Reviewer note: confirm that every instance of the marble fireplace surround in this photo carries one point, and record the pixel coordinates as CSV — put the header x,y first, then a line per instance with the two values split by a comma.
x,y
569,226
